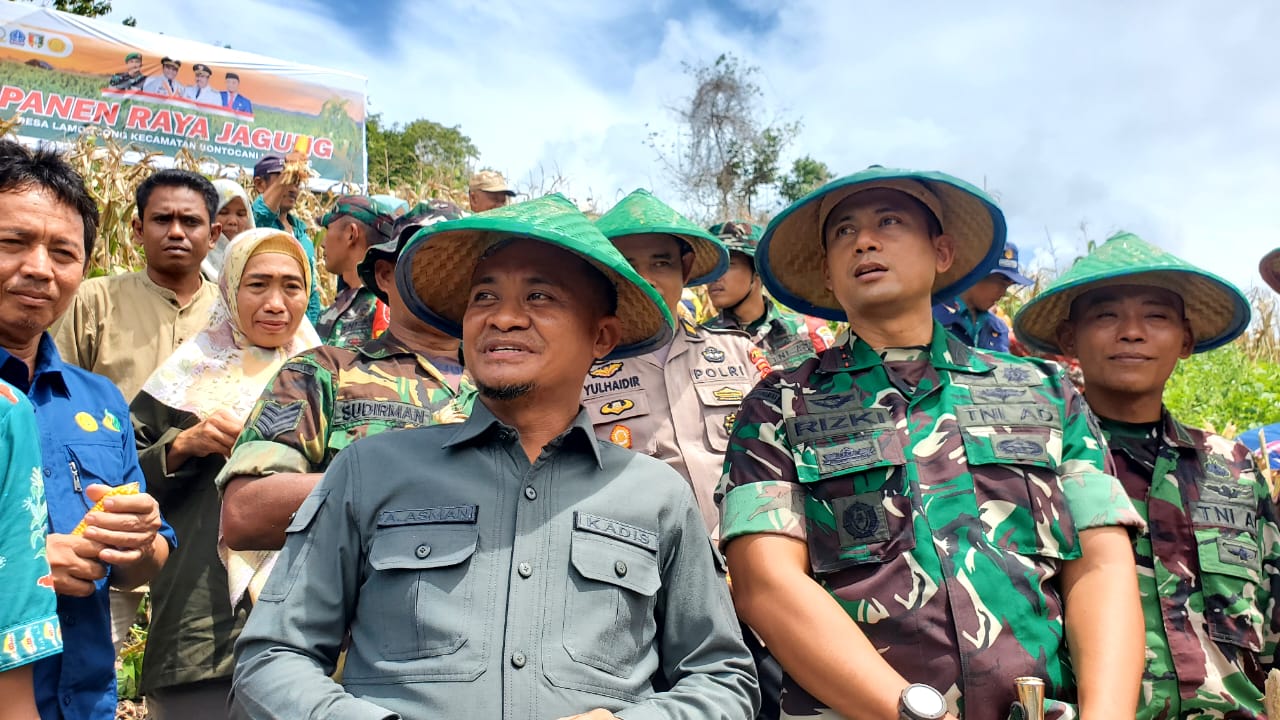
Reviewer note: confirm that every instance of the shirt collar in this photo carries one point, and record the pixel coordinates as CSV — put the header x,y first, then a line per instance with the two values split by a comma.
x,y
388,345
1177,434
483,426
945,353
48,362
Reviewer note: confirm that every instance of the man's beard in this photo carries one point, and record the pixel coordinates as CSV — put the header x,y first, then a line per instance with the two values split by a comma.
x,y
504,392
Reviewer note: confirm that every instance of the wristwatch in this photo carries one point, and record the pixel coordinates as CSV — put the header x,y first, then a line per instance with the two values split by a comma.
x,y
921,702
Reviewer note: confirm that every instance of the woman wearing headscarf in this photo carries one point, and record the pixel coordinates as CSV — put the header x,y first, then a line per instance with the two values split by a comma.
x,y
186,419
234,216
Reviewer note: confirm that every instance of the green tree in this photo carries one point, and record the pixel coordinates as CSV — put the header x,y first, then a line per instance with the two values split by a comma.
x,y
416,153
723,156
806,176
1225,386
85,8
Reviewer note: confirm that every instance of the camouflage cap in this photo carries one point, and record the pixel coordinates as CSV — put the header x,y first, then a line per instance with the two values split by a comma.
x,y
427,212
789,258
434,270
738,236
1217,310
371,211
133,56
640,213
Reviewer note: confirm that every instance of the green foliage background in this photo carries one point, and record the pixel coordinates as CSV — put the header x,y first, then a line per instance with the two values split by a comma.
x,y
1225,386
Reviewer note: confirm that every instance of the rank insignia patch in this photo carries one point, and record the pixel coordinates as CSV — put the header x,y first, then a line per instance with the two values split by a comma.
x,y
620,436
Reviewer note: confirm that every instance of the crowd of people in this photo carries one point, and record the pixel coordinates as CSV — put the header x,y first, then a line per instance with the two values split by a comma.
x,y
507,473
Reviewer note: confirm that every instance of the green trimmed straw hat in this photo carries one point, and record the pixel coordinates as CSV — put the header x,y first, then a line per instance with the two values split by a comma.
x,y
789,258
738,236
1216,309
641,212
434,270
1270,269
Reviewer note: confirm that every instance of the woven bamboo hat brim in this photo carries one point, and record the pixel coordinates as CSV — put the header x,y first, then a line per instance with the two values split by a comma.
x,y
641,212
1270,269
1217,310
789,258
434,270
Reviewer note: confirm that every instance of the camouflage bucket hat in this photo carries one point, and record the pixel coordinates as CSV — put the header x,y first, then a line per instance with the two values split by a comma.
x,y
435,268
427,212
641,212
375,213
1270,269
789,258
1217,311
738,236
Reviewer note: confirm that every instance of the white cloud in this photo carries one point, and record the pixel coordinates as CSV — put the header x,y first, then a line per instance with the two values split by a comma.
x,y
1160,118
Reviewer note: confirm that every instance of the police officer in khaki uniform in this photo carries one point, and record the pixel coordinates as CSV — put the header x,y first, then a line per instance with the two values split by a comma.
x,y
679,402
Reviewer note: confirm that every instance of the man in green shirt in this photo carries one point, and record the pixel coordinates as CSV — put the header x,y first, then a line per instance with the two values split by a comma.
x,y
513,566
1209,569
355,223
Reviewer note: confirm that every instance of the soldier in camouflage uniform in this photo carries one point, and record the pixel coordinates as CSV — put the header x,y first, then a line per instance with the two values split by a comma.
x,y
739,296
324,399
1207,570
904,515
354,224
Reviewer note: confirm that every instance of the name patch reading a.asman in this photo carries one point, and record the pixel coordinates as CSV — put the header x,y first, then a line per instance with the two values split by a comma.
x,y
824,425
630,534
464,514
1023,414
358,412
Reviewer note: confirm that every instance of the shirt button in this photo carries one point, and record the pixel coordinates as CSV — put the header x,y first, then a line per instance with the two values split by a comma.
x,y
620,568
422,551
66,699
517,659
47,472
530,493
525,569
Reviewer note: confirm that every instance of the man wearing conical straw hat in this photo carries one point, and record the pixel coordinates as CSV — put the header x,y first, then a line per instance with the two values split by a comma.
x,y
513,565
912,524
678,402
1210,563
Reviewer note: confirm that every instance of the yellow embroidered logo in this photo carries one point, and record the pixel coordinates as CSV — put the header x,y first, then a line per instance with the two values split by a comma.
x,y
727,393
86,422
617,407
607,370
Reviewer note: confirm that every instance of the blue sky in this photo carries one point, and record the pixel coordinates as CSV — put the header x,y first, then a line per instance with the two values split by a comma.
x,y
1162,118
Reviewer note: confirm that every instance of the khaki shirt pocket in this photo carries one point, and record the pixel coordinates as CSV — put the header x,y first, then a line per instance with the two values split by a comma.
x,y
425,568
609,621
623,419
719,403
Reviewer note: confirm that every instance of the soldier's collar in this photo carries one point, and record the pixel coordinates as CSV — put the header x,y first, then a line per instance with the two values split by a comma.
x,y
945,353
1177,434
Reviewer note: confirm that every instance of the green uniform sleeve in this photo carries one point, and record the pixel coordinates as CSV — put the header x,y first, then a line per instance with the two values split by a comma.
x,y
760,491
1094,496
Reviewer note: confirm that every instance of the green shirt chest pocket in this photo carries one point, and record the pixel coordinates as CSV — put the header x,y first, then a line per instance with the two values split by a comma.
x,y
426,568
1013,454
609,621
1225,522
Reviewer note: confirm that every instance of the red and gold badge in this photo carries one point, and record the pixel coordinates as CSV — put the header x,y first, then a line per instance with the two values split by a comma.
x,y
621,436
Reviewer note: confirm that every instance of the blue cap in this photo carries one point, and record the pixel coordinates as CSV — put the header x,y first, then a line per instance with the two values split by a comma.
x,y
1007,266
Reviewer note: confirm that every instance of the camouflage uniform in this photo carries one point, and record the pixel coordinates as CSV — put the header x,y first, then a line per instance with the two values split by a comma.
x,y
349,321
939,490
783,336
326,398
1209,599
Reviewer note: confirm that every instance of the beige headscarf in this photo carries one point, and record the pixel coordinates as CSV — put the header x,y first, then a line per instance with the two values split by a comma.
x,y
219,369
228,190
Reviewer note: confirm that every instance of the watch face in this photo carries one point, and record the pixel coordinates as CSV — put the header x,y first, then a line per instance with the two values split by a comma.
x,y
924,702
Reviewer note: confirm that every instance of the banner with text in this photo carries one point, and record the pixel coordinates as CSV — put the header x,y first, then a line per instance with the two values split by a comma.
x,y
61,73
